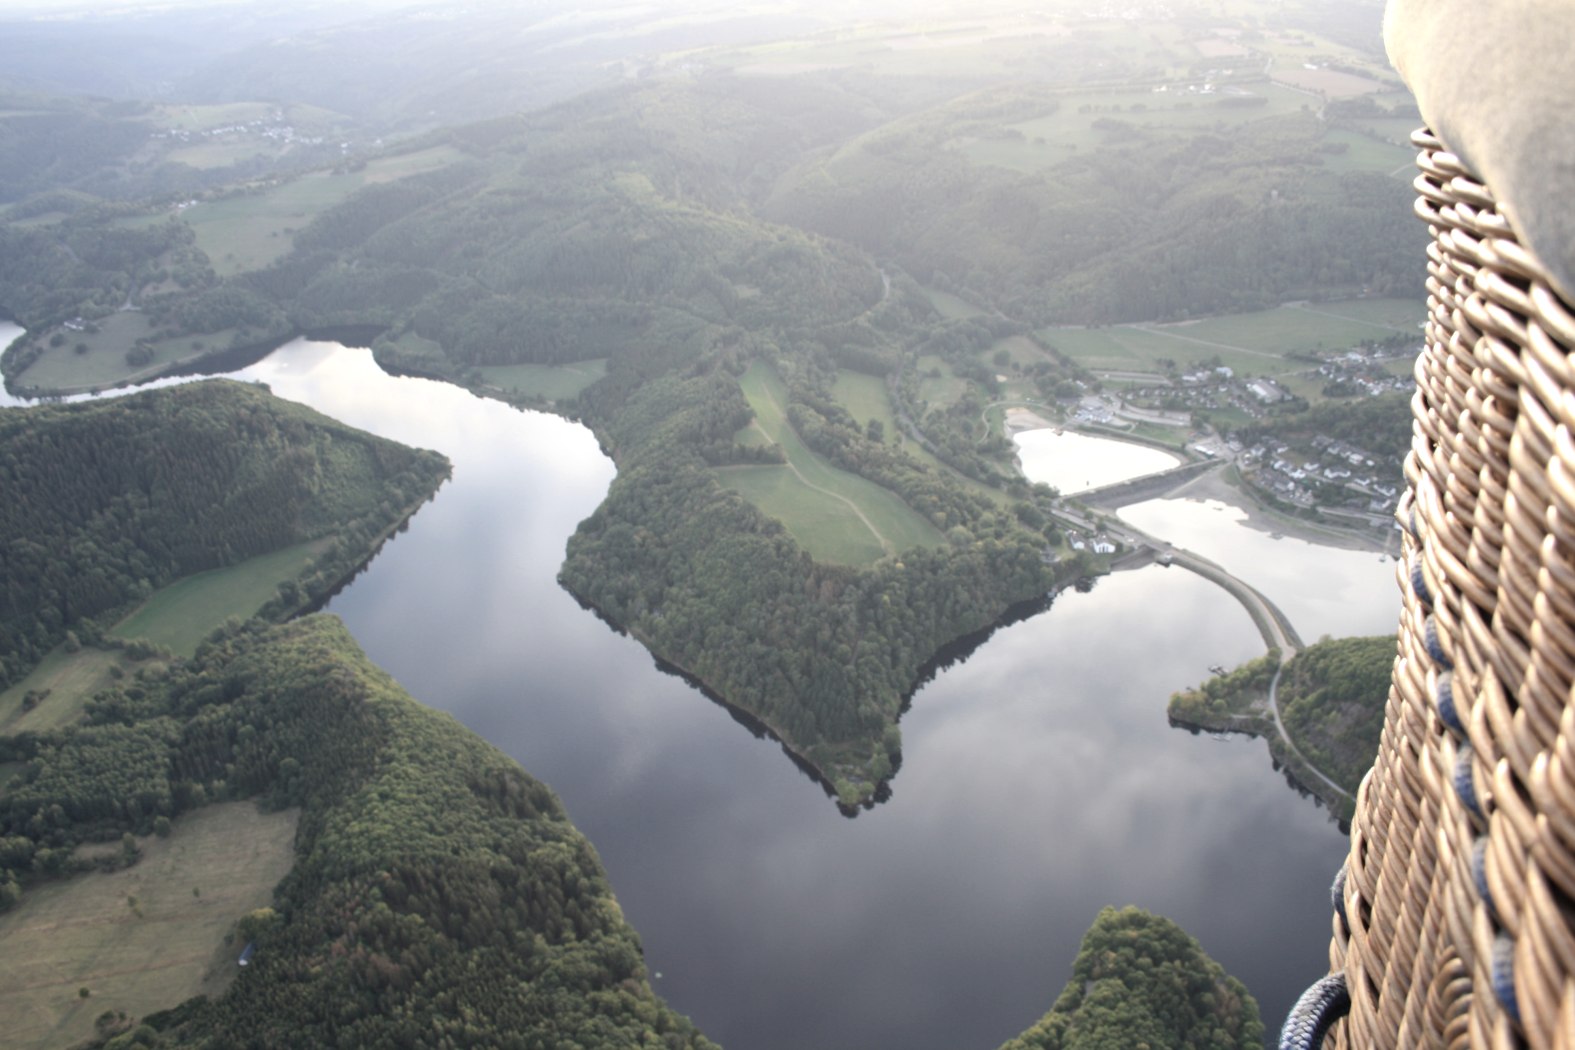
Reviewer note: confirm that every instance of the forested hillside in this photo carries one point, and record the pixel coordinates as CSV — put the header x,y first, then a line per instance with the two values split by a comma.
x,y
440,897
668,237
1147,227
1333,697
1141,981
107,501
610,228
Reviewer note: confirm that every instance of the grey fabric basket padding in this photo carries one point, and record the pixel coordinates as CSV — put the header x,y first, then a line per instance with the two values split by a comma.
x,y
1495,79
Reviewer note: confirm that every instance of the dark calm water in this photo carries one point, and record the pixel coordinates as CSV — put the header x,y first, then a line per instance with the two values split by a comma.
x,y
1040,780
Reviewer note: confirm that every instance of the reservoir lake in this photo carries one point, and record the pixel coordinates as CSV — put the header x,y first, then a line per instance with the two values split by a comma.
x,y
1040,780
1071,462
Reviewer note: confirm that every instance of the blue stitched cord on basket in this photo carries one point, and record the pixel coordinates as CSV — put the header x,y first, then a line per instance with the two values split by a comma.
x,y
1314,1013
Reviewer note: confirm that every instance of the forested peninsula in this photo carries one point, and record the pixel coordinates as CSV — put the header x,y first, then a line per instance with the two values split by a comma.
x,y
1141,980
1331,698
107,502
705,251
436,895
439,896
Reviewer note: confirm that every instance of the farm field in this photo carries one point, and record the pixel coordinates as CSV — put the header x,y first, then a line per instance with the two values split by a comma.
x,y
250,231
1256,342
1020,350
1039,143
553,382
825,508
144,938
221,153
103,364
184,613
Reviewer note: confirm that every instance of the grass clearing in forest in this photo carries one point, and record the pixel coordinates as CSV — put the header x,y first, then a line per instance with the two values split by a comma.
x,y
938,384
553,382
184,613
251,230
399,165
1363,153
949,306
821,504
822,523
865,398
68,681
145,938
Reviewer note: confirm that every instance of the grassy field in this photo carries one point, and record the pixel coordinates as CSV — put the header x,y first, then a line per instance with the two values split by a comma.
x,y
220,153
1255,342
71,679
553,382
836,515
1020,350
940,389
398,166
249,231
206,118
822,523
950,306
62,368
184,613
1033,145
1363,153
145,938
865,398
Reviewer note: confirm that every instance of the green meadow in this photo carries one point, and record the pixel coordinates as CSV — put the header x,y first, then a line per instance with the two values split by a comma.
x,y
97,360
837,516
181,615
552,382
1254,342
250,230
146,937
66,681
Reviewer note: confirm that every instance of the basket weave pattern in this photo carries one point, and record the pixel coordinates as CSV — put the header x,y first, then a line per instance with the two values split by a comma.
x,y
1459,918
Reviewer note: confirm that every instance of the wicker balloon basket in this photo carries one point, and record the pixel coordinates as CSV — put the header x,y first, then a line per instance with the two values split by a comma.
x,y
1455,925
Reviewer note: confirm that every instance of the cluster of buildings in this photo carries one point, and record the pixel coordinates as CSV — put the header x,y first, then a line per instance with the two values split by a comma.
x,y
1366,484
283,134
1360,371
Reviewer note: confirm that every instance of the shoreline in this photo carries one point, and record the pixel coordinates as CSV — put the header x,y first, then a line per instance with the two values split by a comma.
x,y
1214,485
1262,518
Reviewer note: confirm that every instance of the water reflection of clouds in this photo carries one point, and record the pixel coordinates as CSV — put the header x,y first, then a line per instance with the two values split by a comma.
x,y
1040,779
1072,462
1324,590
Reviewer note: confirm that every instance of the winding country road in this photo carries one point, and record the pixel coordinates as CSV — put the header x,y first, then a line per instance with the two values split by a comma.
x,y
1279,724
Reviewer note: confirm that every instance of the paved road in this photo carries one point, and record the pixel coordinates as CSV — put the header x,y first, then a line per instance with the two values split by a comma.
x,y
1274,709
